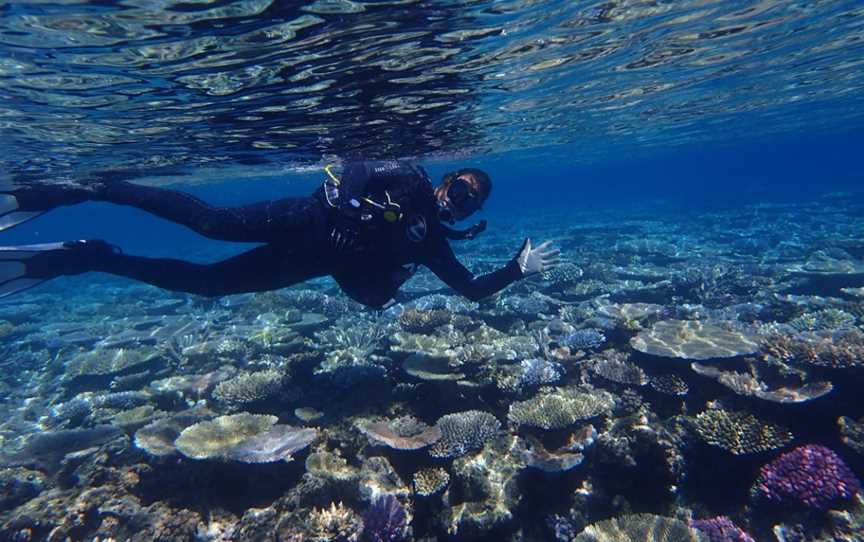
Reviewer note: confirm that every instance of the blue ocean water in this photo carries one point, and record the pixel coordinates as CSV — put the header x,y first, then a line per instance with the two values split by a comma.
x,y
696,162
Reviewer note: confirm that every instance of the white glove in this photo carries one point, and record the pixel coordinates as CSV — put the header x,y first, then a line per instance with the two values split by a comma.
x,y
538,259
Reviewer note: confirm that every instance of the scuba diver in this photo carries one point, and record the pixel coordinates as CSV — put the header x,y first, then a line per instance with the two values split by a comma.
x,y
368,228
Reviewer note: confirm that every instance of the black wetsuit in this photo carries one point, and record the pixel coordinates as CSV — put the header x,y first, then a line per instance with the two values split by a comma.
x,y
298,236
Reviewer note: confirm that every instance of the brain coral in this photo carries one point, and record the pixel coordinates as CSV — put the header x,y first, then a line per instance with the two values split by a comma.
x,y
740,432
690,339
556,408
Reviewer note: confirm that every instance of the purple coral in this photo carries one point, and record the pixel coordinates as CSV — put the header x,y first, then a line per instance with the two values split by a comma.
x,y
812,475
385,521
721,529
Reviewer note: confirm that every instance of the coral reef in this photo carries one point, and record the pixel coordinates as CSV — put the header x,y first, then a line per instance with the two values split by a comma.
x,y
535,455
45,451
823,320
839,350
812,476
420,321
237,392
852,433
338,523
386,521
106,362
330,466
487,483
208,439
557,408
583,339
739,432
277,443
425,367
83,404
157,438
566,274
616,368
720,529
603,420
463,432
748,384
527,374
694,340
639,528
430,481
405,433
669,384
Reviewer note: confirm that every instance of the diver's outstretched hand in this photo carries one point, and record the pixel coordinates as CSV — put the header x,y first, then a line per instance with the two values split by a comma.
x,y
536,260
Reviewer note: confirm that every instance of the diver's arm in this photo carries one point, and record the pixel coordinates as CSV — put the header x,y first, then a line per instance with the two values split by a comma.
x,y
449,269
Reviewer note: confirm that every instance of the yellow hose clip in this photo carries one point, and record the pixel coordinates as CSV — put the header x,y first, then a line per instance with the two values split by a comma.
x,y
390,210
330,174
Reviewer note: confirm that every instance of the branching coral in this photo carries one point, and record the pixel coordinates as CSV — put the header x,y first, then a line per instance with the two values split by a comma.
x,y
430,481
360,335
839,350
616,367
669,384
338,523
248,388
565,274
823,320
463,432
419,321
739,432
583,339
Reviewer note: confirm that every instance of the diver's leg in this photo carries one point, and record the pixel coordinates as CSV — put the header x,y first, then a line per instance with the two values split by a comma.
x,y
263,268
298,221
286,220
22,203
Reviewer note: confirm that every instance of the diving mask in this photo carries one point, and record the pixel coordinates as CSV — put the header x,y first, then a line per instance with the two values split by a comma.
x,y
463,196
